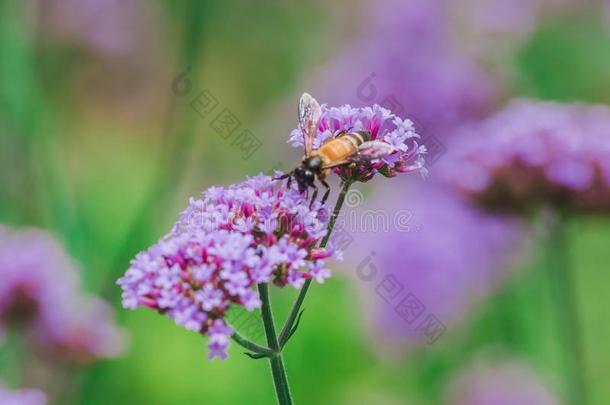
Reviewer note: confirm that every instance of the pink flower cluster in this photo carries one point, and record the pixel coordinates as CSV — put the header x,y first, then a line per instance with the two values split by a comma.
x,y
222,245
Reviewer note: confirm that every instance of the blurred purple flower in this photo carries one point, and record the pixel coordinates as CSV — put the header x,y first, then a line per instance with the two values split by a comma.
x,y
440,62
119,51
490,29
438,257
224,244
82,335
111,27
40,295
408,61
535,153
22,397
508,382
399,135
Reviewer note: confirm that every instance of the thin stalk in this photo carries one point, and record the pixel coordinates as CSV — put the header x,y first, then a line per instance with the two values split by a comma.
x,y
280,380
248,344
567,309
301,297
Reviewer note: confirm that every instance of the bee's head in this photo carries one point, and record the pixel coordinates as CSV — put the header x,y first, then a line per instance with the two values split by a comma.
x,y
304,178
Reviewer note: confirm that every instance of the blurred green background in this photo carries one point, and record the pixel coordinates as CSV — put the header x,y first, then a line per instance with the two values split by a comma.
x,y
97,147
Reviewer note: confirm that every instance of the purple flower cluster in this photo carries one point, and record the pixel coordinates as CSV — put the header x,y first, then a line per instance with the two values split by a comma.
x,y
223,244
492,28
535,153
384,126
40,296
22,397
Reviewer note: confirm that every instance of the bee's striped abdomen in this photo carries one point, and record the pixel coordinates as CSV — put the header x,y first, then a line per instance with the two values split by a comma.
x,y
360,137
343,146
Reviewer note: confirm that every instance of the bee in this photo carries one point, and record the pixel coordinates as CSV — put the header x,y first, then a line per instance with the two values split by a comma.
x,y
346,147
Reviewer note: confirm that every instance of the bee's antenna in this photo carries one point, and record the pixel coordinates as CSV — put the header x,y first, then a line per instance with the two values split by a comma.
x,y
343,131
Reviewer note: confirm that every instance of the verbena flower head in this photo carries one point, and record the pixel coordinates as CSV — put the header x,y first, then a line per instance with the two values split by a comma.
x,y
223,244
384,126
535,153
22,397
40,295
500,382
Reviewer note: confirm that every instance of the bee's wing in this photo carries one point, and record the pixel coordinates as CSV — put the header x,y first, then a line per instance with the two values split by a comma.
x,y
373,150
309,118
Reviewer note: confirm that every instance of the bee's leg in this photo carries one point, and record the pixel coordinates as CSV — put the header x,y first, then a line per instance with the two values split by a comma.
x,y
282,177
315,194
327,192
285,176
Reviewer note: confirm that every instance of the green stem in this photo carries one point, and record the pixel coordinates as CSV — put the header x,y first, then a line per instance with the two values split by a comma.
x,y
301,297
567,308
280,380
248,344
